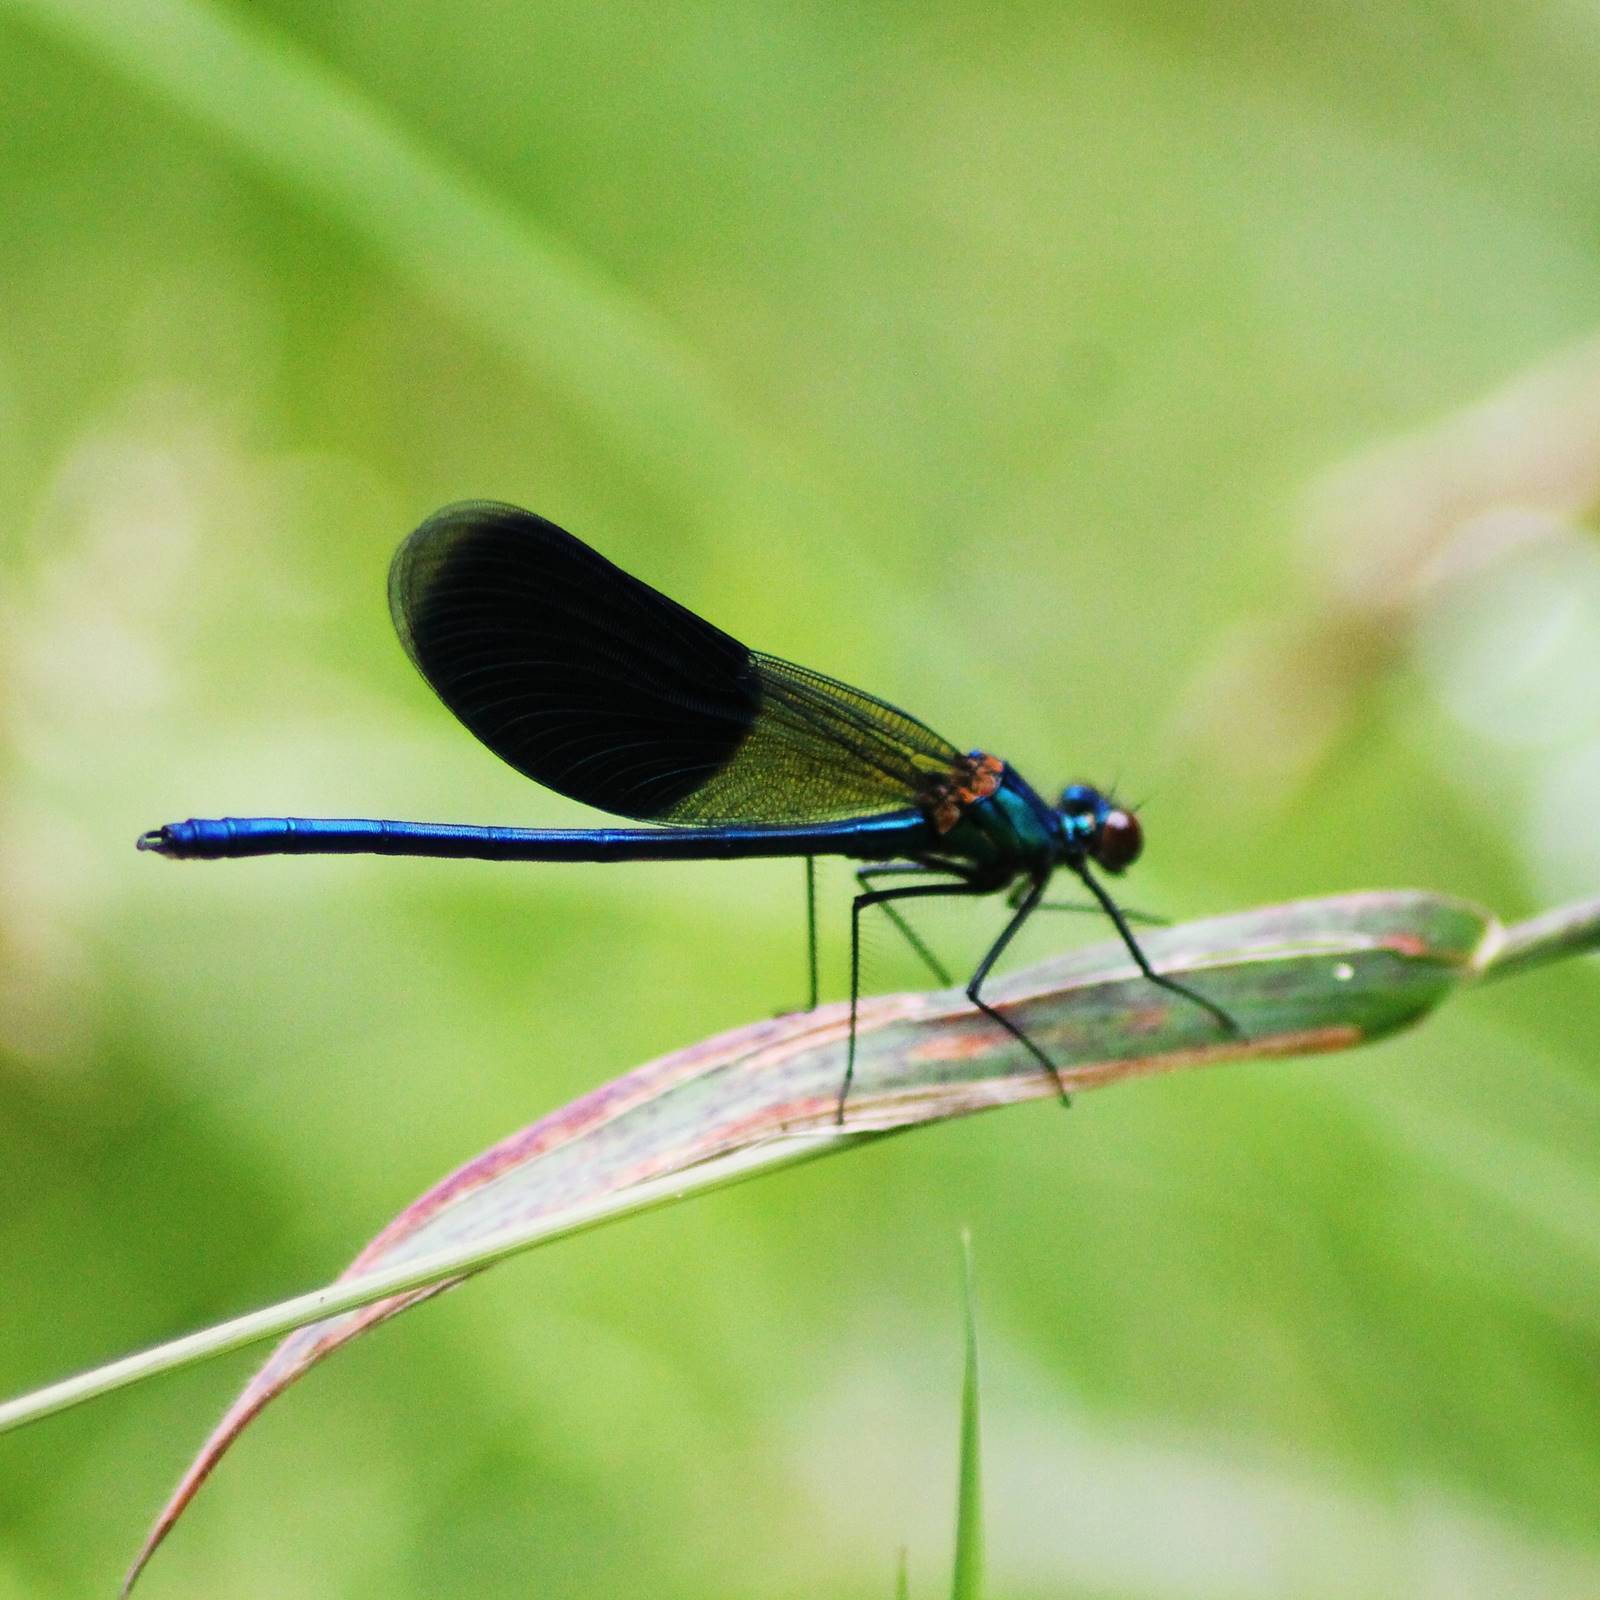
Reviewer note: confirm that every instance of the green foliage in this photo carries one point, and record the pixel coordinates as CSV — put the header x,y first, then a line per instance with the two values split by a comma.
x,y
994,361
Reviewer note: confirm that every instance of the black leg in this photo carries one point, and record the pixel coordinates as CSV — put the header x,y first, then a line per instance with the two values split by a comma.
x,y
878,897
904,869
901,869
1119,922
1025,909
811,927
1143,919
1146,919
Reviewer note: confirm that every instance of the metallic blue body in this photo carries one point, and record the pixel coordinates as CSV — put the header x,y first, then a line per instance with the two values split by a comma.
x,y
1005,835
880,838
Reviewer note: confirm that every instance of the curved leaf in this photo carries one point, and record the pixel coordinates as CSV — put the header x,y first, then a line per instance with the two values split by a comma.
x,y
1310,976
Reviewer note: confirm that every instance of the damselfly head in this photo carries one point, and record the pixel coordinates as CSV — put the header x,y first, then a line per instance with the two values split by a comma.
x,y
1107,833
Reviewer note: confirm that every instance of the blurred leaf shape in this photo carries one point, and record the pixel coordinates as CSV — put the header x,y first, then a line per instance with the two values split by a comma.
x,y
1385,535
1301,978
533,297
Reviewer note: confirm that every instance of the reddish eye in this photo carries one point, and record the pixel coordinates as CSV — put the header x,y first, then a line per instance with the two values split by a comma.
x,y
1120,840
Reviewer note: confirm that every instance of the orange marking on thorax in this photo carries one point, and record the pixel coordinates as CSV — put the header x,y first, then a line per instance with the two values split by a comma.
x,y
971,779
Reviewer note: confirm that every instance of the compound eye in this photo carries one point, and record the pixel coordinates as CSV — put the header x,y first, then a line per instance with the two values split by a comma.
x,y
1119,841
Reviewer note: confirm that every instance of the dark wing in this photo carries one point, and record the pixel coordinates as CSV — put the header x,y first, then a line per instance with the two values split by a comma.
x,y
594,684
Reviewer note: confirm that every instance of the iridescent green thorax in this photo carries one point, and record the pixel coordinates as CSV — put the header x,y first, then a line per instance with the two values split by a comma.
x,y
1006,833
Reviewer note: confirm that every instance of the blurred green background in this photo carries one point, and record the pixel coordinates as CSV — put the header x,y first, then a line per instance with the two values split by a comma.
x,y
1200,398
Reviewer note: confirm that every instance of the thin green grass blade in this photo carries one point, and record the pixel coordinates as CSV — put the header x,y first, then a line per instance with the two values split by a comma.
x,y
967,1583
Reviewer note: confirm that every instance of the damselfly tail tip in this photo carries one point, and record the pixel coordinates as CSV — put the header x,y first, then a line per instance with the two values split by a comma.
x,y
156,839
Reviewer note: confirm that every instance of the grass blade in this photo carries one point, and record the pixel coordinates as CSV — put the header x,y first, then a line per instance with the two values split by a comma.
x,y
967,1583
